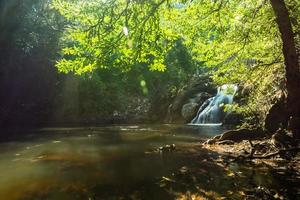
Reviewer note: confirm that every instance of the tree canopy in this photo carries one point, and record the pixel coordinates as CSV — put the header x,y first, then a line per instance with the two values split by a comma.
x,y
234,41
232,37
150,48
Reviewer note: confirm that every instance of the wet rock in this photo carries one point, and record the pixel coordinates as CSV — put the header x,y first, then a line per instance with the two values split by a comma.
x,y
197,92
189,111
162,149
167,147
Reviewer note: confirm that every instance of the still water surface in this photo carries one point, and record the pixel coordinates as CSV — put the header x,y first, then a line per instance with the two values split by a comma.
x,y
93,163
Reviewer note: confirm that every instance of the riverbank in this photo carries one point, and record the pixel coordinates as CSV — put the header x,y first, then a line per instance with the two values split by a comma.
x,y
274,178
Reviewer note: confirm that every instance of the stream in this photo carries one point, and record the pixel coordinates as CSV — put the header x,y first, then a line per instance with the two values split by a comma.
x,y
122,162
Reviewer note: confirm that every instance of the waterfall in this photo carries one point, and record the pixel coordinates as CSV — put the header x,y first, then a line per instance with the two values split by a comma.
x,y
211,111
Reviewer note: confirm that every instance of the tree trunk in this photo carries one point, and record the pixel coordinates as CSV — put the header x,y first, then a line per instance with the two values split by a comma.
x,y
290,57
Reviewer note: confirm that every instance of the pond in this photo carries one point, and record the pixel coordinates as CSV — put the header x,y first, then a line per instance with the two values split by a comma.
x,y
115,162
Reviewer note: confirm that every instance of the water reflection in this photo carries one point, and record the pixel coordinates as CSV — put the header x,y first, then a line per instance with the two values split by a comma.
x,y
105,163
54,162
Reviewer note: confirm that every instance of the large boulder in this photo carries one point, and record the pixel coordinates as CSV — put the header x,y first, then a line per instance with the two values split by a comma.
x,y
189,111
238,136
243,134
196,93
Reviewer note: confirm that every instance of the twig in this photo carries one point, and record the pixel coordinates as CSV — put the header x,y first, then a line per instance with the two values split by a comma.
x,y
251,156
296,149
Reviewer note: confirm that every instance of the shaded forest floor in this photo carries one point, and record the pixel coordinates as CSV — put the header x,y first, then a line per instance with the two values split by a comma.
x,y
215,173
235,150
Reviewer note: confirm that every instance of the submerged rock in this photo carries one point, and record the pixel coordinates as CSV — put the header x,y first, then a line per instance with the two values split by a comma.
x,y
162,149
167,147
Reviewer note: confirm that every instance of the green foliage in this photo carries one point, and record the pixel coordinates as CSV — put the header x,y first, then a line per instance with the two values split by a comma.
x,y
240,43
232,38
29,26
105,34
103,92
260,92
153,48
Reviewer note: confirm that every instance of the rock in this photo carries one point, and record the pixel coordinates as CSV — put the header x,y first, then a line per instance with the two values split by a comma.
x,y
200,97
189,111
276,117
243,134
197,92
233,118
237,136
167,147
173,146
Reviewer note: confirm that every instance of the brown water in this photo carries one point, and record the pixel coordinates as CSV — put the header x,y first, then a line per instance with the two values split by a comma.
x,y
101,163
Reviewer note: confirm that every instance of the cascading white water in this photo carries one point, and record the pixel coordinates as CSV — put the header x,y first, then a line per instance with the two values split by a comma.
x,y
210,111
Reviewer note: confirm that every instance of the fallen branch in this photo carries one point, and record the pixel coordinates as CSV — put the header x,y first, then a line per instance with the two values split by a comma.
x,y
167,179
270,155
280,151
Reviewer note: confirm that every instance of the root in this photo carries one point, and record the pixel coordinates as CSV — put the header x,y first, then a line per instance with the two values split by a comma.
x,y
266,156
